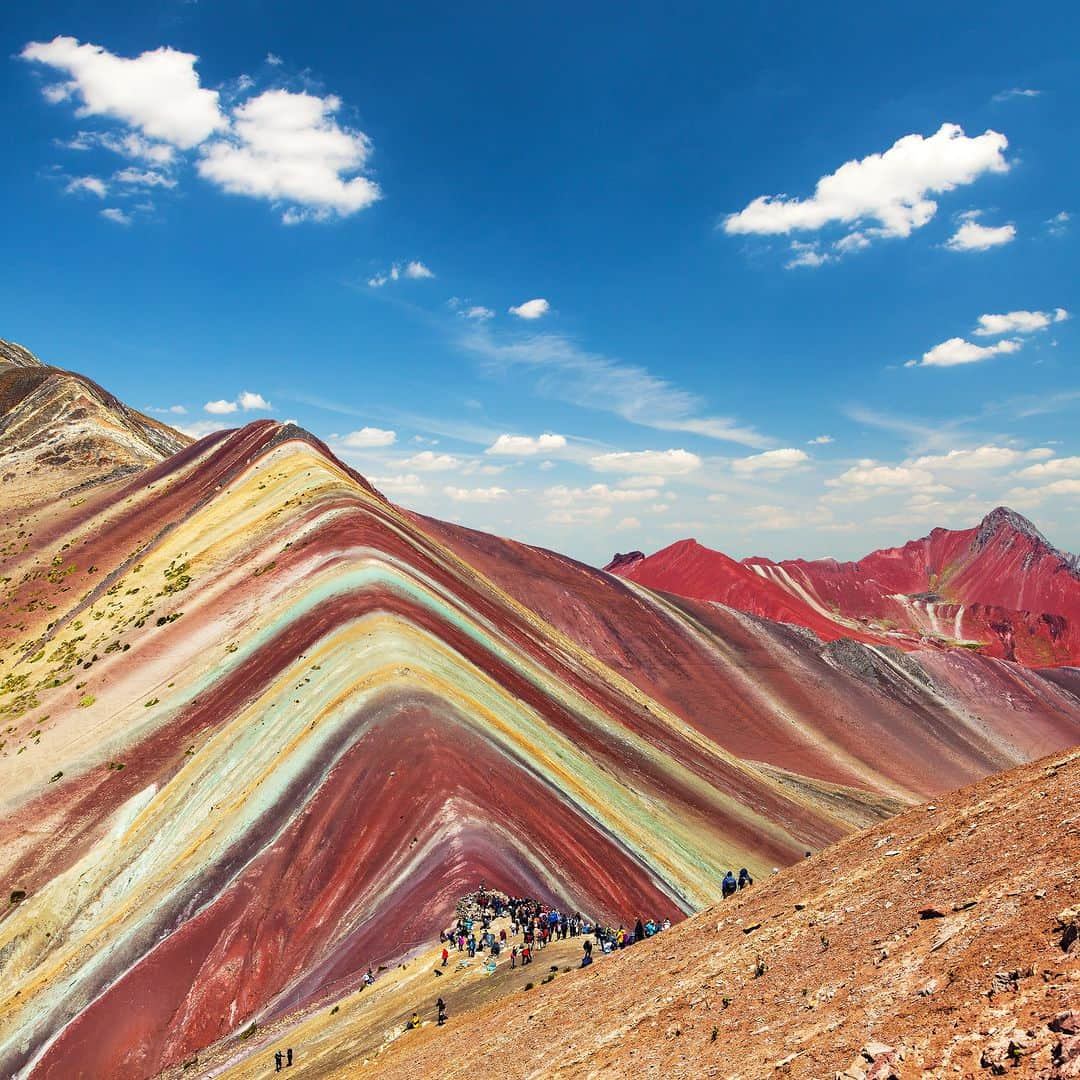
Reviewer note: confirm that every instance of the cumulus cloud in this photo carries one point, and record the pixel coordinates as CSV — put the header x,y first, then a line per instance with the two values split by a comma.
x,y
92,184
175,410
786,458
531,309
116,215
562,495
414,270
289,149
157,92
628,523
981,457
971,236
958,351
1034,496
429,461
1018,322
870,474
401,484
891,188
476,495
250,401
1059,467
368,437
526,445
221,407
660,462
820,440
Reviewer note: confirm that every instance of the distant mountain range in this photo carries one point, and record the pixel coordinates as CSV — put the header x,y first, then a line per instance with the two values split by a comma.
x,y
260,727
999,588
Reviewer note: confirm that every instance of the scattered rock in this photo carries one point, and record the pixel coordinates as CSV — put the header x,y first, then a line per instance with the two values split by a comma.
x,y
1068,1023
1069,924
1006,1051
1004,982
964,905
931,913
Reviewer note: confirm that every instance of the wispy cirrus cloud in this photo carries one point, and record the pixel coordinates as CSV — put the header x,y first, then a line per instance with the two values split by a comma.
x,y
564,371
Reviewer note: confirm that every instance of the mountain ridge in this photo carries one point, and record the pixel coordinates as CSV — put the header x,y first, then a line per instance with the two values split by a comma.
x,y
999,586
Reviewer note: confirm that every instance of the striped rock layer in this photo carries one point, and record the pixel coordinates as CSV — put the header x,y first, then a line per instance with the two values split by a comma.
x,y
259,728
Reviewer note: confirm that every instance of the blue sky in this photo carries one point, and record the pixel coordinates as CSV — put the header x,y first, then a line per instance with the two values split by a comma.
x,y
789,281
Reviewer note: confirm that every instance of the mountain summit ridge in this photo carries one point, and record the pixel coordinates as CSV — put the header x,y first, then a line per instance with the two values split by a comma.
x,y
999,586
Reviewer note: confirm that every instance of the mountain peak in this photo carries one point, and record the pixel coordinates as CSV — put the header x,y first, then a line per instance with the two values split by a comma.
x,y
1004,518
13,353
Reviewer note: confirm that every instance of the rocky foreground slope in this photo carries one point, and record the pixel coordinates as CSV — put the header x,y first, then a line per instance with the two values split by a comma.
x,y
259,728
944,942
1000,588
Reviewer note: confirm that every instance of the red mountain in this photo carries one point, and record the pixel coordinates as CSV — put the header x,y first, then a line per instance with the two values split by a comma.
x,y
1000,587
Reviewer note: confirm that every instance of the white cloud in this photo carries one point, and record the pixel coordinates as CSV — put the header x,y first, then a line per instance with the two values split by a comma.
x,y
175,410
476,495
1034,496
1018,322
368,437
86,183
144,178
479,312
854,241
562,495
870,474
273,60
531,309
1016,92
772,517
971,236
643,482
628,523
130,145
820,440
981,457
414,270
1058,225
116,215
402,484
786,458
429,461
890,188
806,255
288,148
245,400
157,92
526,445
958,351
579,515
1060,467
567,372
249,401
661,462
199,428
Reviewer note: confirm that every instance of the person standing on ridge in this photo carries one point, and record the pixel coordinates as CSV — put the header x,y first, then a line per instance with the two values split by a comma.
x,y
277,1061
288,1057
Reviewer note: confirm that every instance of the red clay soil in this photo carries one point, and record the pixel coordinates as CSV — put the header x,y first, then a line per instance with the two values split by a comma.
x,y
940,943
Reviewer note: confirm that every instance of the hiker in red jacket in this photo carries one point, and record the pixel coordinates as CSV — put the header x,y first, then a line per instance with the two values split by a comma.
x,y
445,956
